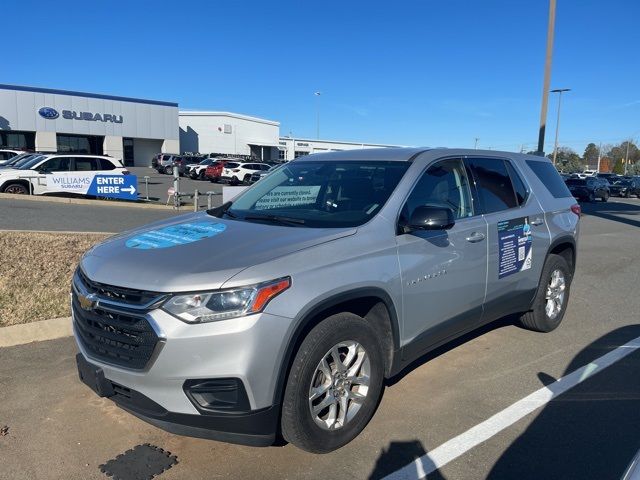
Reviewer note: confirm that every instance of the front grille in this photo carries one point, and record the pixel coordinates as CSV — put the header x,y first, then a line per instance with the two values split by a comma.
x,y
115,335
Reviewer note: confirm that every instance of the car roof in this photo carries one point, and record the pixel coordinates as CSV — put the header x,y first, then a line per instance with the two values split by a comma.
x,y
407,154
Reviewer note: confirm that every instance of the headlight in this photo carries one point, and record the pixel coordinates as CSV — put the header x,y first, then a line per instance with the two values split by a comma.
x,y
224,304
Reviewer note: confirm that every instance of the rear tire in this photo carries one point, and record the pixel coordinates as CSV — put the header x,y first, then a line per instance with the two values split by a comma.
x,y
168,170
323,431
548,309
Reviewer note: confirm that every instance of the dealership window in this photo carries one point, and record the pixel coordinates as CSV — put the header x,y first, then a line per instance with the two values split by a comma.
x,y
127,150
80,144
282,154
299,153
18,140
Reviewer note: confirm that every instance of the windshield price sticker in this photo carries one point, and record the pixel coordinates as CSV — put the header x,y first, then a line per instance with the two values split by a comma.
x,y
514,246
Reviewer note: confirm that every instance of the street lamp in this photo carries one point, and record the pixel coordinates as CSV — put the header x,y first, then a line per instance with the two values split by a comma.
x,y
555,146
317,94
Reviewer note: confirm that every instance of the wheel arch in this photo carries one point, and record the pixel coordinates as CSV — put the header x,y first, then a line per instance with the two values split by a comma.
x,y
565,247
373,304
21,181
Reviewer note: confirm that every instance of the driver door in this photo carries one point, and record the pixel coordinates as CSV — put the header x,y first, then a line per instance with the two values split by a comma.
x,y
443,271
55,165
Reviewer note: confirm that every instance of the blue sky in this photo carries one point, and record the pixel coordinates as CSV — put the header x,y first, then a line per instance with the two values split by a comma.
x,y
437,73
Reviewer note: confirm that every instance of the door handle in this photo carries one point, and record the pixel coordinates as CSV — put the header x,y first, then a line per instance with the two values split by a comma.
x,y
537,221
475,237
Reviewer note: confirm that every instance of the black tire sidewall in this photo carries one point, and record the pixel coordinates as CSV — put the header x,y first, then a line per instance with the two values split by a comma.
x,y
553,263
333,330
25,190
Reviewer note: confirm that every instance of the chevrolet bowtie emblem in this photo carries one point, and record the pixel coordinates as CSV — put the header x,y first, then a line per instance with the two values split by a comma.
x,y
87,302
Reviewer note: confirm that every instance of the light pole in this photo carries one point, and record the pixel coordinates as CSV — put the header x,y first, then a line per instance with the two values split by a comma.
x,y
555,145
475,145
317,94
547,75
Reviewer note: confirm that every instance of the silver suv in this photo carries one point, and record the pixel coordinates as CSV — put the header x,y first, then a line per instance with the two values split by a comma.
x,y
324,279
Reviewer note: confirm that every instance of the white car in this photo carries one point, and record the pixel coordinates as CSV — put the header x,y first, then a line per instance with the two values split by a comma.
x,y
196,171
236,173
31,177
6,155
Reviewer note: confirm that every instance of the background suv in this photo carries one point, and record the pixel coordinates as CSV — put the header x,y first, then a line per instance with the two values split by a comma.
x,y
589,188
30,177
328,276
236,173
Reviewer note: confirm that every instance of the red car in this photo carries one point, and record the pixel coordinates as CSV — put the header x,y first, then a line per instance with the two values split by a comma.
x,y
214,171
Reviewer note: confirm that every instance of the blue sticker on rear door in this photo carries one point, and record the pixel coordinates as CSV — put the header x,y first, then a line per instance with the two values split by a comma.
x,y
175,235
514,246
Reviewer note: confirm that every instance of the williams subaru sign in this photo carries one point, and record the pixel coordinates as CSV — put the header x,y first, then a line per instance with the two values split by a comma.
x,y
122,187
51,113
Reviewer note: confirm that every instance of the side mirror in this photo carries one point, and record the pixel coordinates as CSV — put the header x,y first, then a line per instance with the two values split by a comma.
x,y
429,217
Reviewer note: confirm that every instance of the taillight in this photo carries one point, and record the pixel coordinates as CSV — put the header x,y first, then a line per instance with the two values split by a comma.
x,y
576,209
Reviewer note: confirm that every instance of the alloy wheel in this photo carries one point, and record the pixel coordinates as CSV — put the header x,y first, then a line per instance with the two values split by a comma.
x,y
555,294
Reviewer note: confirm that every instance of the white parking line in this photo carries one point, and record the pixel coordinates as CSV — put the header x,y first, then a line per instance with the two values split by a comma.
x,y
473,437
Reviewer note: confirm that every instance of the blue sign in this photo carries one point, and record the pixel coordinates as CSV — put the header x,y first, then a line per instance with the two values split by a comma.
x,y
514,246
175,235
124,187
48,113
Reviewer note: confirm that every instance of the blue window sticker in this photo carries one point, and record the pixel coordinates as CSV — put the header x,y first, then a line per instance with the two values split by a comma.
x,y
175,235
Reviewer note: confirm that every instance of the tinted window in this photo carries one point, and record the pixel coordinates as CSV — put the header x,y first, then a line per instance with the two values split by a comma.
x,y
550,178
106,164
495,190
56,164
518,184
231,165
576,182
86,164
444,185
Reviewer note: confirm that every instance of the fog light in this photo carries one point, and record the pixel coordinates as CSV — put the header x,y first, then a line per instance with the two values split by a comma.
x,y
217,395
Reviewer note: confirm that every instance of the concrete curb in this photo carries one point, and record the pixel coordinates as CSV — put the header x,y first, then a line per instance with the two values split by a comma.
x,y
83,201
35,331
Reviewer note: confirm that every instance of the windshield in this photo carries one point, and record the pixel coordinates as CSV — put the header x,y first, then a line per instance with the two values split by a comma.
x,y
321,193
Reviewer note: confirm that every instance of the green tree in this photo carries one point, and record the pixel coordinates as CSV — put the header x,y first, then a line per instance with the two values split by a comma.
x,y
619,167
567,160
590,156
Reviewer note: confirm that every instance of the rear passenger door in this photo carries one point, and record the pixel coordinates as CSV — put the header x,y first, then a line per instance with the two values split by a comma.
x,y
518,238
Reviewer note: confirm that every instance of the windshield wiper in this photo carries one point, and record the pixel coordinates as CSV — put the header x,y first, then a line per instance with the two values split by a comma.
x,y
276,219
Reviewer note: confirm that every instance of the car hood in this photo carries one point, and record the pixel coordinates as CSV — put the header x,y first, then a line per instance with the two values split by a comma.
x,y
195,252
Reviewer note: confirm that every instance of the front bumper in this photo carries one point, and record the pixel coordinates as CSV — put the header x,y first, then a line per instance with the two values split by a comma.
x,y
249,349
257,428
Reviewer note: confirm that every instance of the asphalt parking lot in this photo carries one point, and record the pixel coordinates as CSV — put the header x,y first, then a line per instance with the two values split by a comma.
x,y
59,429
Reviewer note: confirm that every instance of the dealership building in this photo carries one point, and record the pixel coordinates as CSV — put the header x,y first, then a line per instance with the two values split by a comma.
x,y
133,129
48,120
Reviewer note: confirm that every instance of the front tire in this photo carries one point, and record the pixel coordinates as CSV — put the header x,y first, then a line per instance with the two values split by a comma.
x,y
168,170
551,298
16,188
334,384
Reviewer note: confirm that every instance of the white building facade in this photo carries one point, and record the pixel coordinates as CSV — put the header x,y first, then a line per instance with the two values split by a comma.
x,y
48,120
290,148
228,133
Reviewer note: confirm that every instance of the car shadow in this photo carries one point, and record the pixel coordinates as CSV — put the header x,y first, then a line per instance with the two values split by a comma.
x,y
591,431
617,211
397,456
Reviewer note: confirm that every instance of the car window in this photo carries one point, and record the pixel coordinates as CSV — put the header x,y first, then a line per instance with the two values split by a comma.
x,y
518,184
495,190
106,164
56,164
444,184
550,178
84,164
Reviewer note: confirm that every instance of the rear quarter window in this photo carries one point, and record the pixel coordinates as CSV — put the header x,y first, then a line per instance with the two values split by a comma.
x,y
550,178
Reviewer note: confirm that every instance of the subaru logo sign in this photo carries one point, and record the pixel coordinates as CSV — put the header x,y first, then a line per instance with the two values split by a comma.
x,y
48,113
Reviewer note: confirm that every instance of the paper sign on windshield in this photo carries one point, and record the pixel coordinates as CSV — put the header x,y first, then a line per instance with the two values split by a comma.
x,y
288,197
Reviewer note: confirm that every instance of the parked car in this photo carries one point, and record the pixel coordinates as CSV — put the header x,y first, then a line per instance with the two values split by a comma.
x,y
31,176
589,188
197,171
260,174
164,162
184,162
625,188
6,155
610,177
320,281
237,173
213,172
19,160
